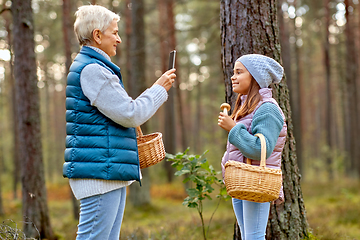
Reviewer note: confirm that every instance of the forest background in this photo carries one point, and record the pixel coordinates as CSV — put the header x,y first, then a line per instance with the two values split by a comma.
x,y
320,43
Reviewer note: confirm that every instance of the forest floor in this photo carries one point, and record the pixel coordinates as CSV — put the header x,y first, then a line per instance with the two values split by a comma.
x,y
333,211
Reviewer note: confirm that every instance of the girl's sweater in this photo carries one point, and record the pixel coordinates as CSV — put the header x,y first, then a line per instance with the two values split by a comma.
x,y
103,90
268,121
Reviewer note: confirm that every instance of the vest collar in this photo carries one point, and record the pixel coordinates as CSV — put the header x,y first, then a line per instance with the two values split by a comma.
x,y
264,92
94,54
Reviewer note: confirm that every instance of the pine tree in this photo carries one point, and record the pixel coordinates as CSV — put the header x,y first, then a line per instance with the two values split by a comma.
x,y
35,210
251,27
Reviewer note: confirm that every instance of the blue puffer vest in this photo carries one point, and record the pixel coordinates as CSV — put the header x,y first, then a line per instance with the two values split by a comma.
x,y
96,147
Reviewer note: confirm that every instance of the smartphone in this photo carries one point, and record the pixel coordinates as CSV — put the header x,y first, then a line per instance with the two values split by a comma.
x,y
172,59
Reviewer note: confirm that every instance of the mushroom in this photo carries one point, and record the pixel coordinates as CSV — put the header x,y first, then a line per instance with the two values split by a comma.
x,y
225,107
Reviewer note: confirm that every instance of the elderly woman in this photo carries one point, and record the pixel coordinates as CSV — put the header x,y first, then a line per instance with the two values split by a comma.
x,y
101,156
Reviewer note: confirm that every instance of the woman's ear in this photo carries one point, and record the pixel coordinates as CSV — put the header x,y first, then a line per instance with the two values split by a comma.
x,y
97,36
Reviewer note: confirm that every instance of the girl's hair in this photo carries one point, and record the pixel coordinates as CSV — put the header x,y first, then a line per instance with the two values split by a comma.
x,y
252,100
89,18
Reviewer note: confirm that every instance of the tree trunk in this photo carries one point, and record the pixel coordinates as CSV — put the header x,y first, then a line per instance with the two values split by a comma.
x,y
178,92
167,44
139,196
294,82
251,27
67,34
15,155
1,145
67,27
198,120
329,116
351,86
35,210
128,31
358,75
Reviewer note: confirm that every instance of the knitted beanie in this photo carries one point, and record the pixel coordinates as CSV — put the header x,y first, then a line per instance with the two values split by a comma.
x,y
265,70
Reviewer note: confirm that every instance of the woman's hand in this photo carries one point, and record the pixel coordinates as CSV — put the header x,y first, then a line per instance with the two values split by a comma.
x,y
225,122
167,79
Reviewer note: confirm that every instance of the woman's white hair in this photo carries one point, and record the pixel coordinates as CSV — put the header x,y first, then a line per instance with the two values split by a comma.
x,y
89,18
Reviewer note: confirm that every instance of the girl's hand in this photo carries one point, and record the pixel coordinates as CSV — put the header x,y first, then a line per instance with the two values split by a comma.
x,y
225,122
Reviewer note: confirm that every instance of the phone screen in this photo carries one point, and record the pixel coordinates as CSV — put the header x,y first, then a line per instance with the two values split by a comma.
x,y
172,59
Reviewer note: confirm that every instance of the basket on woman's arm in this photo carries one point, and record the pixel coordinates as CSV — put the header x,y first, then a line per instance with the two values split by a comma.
x,y
253,183
150,147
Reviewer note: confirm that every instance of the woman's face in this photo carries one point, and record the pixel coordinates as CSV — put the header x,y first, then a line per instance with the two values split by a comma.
x,y
241,79
109,39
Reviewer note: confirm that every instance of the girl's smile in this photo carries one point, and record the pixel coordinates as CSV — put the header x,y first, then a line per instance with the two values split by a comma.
x,y
241,79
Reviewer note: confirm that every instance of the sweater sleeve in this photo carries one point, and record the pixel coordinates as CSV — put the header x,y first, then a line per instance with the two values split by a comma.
x,y
266,120
104,91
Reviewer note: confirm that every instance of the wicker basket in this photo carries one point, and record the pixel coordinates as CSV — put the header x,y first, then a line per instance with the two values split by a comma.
x,y
253,183
151,148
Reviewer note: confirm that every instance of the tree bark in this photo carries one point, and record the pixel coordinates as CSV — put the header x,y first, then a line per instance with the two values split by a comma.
x,y
1,145
15,155
198,119
329,113
67,34
139,196
35,210
358,75
67,27
167,44
128,32
179,101
251,27
294,81
351,93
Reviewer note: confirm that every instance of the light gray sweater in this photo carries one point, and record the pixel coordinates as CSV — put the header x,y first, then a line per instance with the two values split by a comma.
x,y
103,90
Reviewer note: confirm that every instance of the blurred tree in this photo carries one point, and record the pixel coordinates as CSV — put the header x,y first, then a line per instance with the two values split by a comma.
x,y
50,51
170,5
167,44
297,86
358,75
198,118
352,65
328,102
139,196
127,13
284,30
1,145
198,48
35,208
11,80
251,27
67,27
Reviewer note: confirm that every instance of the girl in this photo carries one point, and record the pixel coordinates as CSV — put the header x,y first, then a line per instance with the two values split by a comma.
x,y
255,112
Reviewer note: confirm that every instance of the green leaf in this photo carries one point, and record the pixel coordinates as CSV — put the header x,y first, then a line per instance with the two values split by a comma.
x,y
208,196
181,172
192,205
193,193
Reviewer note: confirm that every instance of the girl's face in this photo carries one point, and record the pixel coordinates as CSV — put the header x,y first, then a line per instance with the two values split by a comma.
x,y
241,79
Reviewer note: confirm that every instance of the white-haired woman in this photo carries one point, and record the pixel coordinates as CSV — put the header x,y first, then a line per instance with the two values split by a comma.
x,y
101,156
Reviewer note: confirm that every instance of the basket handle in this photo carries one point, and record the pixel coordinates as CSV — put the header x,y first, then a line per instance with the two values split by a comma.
x,y
138,131
263,149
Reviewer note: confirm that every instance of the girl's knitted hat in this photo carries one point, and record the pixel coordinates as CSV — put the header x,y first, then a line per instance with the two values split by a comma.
x,y
265,70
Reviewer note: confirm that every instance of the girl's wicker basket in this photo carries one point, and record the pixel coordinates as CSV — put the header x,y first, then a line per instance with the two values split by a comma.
x,y
253,183
150,147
